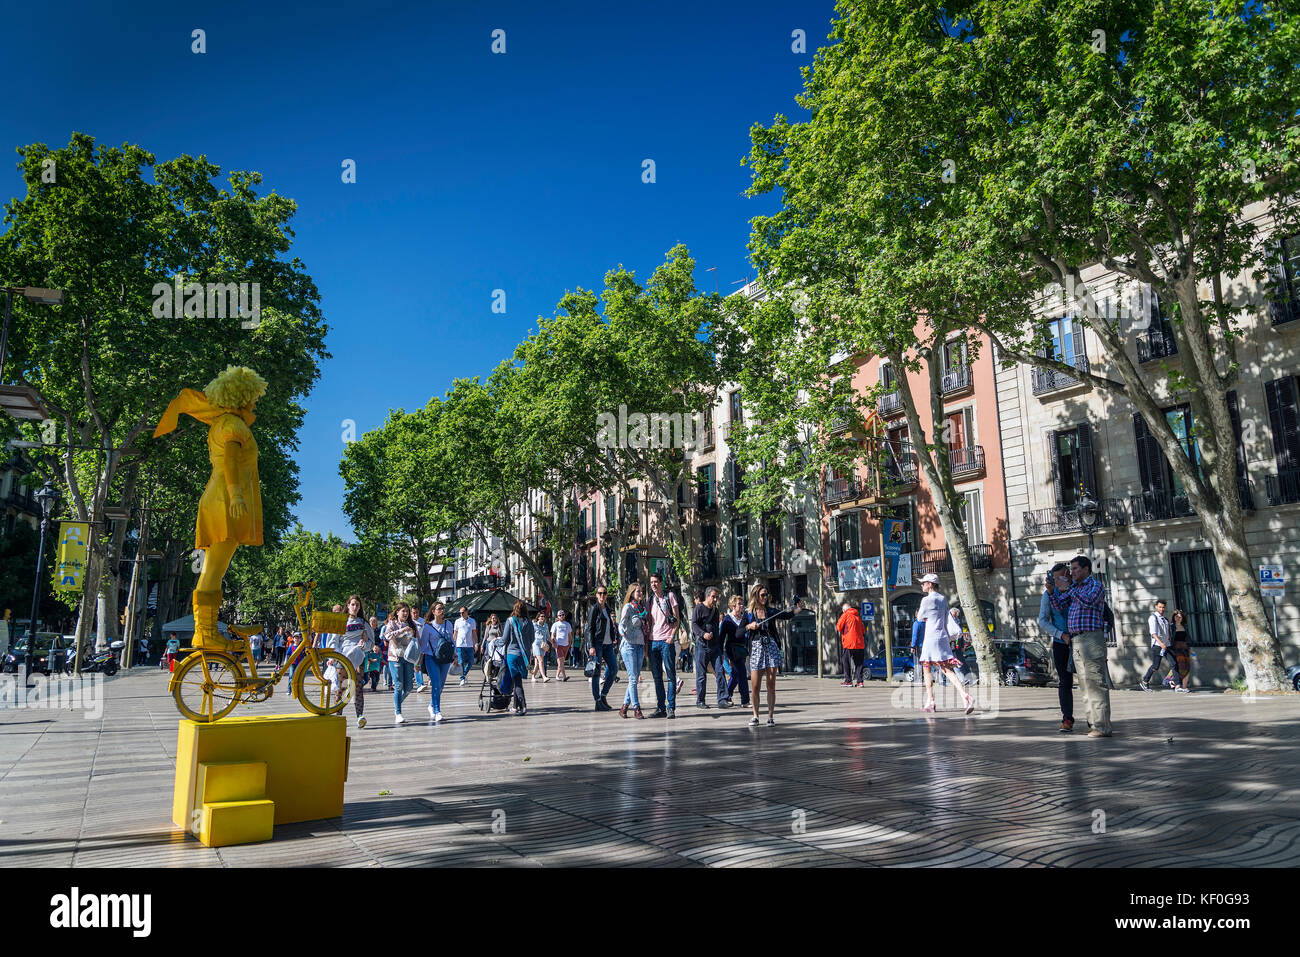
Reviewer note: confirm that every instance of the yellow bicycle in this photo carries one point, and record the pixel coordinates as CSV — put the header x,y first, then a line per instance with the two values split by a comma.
x,y
208,684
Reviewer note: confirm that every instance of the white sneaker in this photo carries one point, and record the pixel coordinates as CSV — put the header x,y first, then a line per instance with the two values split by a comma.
x,y
361,721
437,717
431,711
462,682
400,720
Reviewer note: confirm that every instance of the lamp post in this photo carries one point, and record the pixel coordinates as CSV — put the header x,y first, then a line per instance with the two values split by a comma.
x,y
48,497
1089,517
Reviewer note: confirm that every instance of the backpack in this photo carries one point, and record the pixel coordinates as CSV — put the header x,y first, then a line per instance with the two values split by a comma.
x,y
444,649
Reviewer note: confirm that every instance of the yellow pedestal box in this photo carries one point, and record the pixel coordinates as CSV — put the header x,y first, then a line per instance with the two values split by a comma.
x,y
237,777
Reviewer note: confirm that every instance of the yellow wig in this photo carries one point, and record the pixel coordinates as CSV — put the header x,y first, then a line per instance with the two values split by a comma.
x,y
239,387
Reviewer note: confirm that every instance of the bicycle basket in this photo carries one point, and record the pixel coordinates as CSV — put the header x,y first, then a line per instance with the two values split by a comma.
x,y
329,622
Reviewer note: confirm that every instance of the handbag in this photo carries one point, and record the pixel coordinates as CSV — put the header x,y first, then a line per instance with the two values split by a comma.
x,y
591,666
411,652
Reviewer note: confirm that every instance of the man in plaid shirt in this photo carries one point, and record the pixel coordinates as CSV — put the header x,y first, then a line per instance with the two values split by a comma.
x,y
1083,600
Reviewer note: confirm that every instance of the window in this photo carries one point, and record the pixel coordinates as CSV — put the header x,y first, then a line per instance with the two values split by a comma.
x,y
801,586
629,568
844,537
737,412
1067,339
706,486
709,550
1284,418
887,383
740,541
736,475
636,510
954,355
1285,304
611,509
957,430
772,544
1198,591
972,517
1073,468
907,512
797,533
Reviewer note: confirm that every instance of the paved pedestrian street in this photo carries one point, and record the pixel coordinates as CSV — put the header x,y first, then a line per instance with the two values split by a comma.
x,y
847,777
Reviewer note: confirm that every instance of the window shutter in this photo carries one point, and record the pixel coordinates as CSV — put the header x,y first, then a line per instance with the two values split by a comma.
x,y
1283,417
1239,447
1087,466
1054,456
1281,303
1151,461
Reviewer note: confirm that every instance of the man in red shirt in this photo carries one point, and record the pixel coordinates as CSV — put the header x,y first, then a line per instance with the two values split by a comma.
x,y
853,639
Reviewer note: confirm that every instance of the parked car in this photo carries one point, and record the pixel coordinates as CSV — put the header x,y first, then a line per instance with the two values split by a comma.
x,y
1294,674
905,668
1023,663
49,646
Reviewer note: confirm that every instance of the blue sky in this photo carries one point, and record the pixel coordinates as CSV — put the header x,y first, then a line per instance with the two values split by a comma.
x,y
475,171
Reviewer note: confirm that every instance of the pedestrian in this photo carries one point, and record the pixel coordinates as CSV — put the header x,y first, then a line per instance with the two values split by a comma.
x,y
281,645
764,649
708,647
937,647
169,657
853,640
491,632
662,618
401,632
1052,621
1083,600
1182,650
374,664
1162,646
353,644
418,623
602,649
517,636
438,651
541,646
634,626
383,646
561,634
466,629
735,650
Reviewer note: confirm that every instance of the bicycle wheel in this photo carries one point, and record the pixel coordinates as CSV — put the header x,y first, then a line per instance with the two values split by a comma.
x,y
324,683
205,685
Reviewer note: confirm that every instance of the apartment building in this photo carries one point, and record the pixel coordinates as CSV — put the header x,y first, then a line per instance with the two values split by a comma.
x,y
1064,440
887,482
17,494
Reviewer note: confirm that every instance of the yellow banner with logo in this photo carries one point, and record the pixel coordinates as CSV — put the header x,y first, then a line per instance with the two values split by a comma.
x,y
74,537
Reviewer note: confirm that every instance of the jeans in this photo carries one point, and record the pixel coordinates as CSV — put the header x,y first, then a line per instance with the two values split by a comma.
x,y
707,653
1089,651
437,680
607,654
374,680
663,655
465,656
738,657
633,656
1161,655
400,673
1064,679
853,658
512,679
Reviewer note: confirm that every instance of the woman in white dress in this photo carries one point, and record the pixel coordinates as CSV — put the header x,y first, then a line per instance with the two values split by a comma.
x,y
936,648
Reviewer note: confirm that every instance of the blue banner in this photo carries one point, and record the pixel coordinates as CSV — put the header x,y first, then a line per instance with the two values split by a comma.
x,y
893,547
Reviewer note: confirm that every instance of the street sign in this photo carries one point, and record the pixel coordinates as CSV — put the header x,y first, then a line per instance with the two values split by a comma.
x,y
868,611
1272,581
71,560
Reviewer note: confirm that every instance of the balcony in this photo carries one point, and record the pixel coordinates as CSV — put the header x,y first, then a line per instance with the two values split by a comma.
x,y
1050,380
839,490
842,422
1284,487
1111,513
1158,506
934,561
1155,344
1284,308
966,463
891,403
957,381
706,500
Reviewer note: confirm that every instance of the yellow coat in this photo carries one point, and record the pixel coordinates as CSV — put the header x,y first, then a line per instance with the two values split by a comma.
x,y
214,523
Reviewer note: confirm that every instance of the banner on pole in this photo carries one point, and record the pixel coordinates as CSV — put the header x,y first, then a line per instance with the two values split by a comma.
x,y
71,556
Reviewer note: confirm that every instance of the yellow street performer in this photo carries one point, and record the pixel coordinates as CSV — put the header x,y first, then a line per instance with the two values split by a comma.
x,y
230,512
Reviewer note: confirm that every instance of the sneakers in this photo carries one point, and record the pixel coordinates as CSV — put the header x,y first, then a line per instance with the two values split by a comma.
x,y
1181,690
1066,726
462,681
680,682
399,719
929,707
724,704
753,722
1094,733
513,710
437,717
846,684
970,704
659,713
672,713
603,705
858,685
701,704
361,721
1143,685
771,723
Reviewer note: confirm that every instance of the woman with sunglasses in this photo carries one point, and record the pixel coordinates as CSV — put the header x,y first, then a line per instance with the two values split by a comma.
x,y
764,649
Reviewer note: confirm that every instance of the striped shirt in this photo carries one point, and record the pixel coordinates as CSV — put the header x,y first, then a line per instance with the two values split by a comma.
x,y
1084,605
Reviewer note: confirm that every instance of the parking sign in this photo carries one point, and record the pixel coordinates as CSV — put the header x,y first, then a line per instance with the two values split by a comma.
x,y
1272,580
868,611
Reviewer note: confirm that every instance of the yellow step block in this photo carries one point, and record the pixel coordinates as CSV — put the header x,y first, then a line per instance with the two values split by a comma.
x,y
221,781
305,758
223,823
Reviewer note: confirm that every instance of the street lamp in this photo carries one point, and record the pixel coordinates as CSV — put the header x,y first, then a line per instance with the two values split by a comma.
x,y
1089,517
48,497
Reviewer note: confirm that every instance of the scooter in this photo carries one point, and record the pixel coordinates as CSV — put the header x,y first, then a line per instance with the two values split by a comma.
x,y
105,661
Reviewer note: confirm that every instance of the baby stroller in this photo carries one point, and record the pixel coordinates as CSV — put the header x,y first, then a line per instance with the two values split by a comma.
x,y
490,696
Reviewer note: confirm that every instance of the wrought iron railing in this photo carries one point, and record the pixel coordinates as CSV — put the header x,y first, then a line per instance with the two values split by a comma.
x,y
1284,487
967,461
891,403
1284,307
1156,506
1155,344
1111,512
1050,380
957,379
838,490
